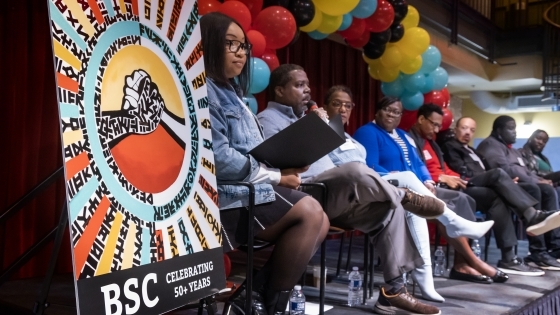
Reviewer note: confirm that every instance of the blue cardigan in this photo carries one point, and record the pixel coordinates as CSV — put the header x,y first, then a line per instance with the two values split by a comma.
x,y
385,155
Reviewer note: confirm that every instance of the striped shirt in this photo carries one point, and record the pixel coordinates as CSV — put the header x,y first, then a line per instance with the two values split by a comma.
x,y
402,144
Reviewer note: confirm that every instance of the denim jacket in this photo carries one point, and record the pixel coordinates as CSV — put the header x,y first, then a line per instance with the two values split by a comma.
x,y
346,153
235,132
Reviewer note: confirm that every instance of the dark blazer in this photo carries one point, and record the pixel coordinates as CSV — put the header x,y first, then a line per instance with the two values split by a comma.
x,y
456,156
498,155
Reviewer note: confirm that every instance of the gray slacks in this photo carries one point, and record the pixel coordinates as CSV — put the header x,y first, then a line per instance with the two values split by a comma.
x,y
359,199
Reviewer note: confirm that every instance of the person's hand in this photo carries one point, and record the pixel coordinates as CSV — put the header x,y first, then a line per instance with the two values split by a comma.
x,y
453,182
290,177
516,180
545,181
321,112
430,187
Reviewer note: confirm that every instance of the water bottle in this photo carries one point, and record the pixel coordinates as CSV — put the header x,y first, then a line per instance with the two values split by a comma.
x,y
476,248
297,301
354,287
439,262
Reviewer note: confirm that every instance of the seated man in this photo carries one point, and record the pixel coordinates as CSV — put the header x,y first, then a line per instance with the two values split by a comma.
x,y
490,194
358,198
497,152
536,161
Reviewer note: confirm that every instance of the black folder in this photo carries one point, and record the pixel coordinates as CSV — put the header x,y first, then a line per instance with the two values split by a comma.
x,y
302,143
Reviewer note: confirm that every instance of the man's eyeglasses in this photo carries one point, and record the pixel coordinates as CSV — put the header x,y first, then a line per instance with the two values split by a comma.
x,y
436,125
348,105
393,112
234,46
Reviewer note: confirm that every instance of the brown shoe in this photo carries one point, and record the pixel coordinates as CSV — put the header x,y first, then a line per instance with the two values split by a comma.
x,y
421,205
402,303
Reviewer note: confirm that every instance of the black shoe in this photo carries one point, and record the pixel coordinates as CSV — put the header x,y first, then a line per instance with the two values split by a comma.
x,y
276,301
542,260
542,222
236,303
500,277
456,275
517,267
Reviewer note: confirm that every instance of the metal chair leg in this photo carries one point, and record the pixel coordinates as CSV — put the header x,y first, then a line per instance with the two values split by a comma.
x,y
349,257
340,255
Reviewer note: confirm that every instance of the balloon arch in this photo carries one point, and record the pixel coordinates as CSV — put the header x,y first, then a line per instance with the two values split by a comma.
x,y
398,52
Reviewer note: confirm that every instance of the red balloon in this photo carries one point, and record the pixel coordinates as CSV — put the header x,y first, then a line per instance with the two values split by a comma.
x,y
408,119
382,18
360,41
237,11
207,6
254,6
447,119
258,41
446,97
271,59
435,97
277,25
355,30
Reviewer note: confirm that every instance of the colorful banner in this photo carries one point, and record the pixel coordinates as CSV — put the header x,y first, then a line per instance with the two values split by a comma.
x,y
137,147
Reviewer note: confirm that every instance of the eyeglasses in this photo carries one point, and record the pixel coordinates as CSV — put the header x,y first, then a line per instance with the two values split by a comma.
x,y
347,105
436,125
393,112
234,46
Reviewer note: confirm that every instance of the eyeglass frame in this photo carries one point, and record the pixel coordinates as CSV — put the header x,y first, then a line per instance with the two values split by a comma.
x,y
392,112
246,46
345,104
435,125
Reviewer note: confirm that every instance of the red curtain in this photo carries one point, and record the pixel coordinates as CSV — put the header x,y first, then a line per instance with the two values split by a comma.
x,y
31,147
30,143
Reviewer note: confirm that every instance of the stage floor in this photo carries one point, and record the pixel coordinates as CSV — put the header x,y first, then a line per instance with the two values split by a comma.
x,y
461,297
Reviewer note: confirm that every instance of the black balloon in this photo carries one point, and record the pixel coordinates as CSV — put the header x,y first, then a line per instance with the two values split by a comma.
x,y
401,9
296,37
303,11
282,3
378,39
373,51
397,32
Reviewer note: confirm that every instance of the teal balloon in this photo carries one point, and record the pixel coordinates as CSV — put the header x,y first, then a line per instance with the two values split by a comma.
x,y
394,88
251,101
364,9
412,101
317,35
260,76
346,21
440,77
413,82
428,85
431,59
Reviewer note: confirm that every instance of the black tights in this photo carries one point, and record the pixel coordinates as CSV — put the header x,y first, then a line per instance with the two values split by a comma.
x,y
297,236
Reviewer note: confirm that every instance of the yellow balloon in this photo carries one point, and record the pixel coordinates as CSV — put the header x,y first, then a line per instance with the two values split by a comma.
x,y
317,19
329,24
373,72
388,74
335,7
411,19
392,57
414,42
410,66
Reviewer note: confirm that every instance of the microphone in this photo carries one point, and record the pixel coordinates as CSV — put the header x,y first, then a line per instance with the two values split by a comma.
x,y
312,105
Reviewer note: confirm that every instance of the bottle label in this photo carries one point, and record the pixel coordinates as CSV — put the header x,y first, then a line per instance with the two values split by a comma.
x,y
297,306
355,284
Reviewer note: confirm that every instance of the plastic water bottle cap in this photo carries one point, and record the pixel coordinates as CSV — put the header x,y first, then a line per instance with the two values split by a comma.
x,y
355,268
297,287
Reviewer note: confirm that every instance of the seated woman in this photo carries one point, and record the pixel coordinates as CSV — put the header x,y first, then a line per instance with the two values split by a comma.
x,y
338,100
390,152
294,221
